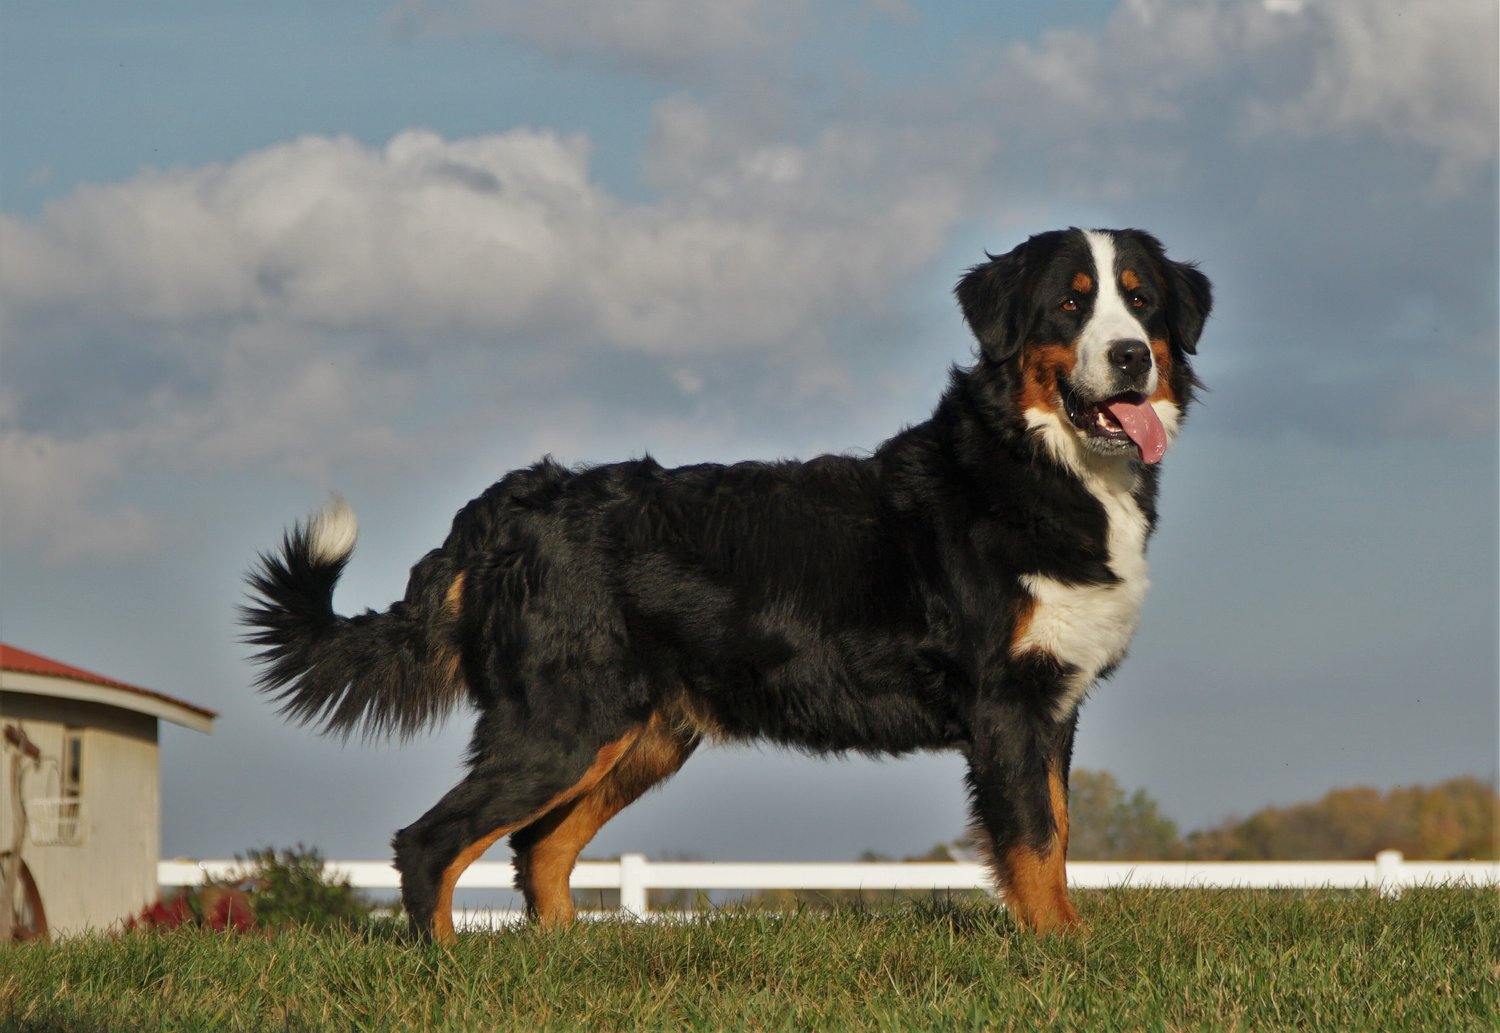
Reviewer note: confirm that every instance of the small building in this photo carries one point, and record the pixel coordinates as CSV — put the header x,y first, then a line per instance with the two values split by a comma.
x,y
93,799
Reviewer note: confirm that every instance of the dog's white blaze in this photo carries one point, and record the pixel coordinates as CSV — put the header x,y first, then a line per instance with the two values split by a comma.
x,y
1089,627
332,532
1111,321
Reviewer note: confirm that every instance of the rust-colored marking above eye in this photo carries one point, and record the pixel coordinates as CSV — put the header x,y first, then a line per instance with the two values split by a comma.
x,y
1130,280
1083,283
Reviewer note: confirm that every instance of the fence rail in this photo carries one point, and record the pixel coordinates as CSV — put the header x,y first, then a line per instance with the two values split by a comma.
x,y
633,875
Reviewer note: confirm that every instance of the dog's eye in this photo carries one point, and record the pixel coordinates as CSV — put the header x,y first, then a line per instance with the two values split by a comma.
x,y
1138,301
1070,305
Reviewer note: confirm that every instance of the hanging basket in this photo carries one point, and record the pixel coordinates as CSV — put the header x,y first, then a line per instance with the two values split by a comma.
x,y
55,820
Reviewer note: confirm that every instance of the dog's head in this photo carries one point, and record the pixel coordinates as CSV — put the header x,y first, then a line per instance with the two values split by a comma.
x,y
1093,330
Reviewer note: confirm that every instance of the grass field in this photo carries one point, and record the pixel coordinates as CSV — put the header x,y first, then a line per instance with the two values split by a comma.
x,y
1153,959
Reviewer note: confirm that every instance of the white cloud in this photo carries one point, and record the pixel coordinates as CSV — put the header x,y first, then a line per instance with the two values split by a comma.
x,y
500,236
293,303
299,308
321,230
1422,74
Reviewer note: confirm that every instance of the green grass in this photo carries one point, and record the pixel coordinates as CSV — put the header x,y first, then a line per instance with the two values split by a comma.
x,y
1153,959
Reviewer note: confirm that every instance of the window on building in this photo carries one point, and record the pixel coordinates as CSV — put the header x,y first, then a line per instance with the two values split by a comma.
x,y
60,821
72,764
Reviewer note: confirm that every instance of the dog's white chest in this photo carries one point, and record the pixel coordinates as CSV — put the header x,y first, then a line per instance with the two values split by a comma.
x,y
1089,627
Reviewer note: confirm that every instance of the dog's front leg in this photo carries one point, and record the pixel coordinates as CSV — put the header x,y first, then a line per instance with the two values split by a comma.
x,y
1018,782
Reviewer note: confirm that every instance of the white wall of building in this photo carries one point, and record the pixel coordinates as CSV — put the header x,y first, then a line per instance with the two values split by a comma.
x,y
109,872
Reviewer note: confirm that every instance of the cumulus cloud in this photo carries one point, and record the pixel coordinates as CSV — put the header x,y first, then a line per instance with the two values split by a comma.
x,y
307,306
289,304
1423,75
320,230
501,236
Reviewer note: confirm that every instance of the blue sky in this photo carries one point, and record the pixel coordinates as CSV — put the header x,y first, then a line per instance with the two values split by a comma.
x,y
251,253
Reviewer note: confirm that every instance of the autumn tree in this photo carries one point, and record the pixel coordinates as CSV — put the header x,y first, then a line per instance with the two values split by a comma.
x,y
1454,820
1106,824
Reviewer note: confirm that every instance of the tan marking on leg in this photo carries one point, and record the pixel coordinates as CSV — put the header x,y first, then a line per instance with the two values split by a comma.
x,y
1035,884
1058,792
542,867
555,841
442,914
607,757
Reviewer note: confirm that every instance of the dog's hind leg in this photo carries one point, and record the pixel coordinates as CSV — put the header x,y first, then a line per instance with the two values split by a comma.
x,y
547,849
496,798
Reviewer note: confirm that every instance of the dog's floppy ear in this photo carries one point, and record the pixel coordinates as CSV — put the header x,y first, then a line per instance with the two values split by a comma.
x,y
993,299
1189,300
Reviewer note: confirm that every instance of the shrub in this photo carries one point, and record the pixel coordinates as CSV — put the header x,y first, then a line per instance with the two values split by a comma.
x,y
277,888
289,887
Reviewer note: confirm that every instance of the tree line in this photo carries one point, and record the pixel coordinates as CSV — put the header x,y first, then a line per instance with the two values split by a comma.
x,y
1450,821
1456,820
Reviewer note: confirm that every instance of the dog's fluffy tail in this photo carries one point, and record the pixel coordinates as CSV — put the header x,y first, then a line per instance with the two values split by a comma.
x,y
382,673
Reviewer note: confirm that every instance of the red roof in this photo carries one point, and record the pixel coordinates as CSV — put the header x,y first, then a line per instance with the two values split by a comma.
x,y
13,659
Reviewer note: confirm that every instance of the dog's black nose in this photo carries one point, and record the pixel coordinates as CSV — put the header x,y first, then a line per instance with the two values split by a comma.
x,y
1133,358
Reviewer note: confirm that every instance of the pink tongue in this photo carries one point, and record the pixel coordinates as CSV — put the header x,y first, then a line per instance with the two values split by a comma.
x,y
1141,425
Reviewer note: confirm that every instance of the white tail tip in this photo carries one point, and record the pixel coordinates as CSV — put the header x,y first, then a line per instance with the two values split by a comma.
x,y
331,533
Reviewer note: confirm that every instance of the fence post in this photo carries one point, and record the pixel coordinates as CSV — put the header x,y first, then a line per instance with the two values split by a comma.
x,y
633,885
1388,872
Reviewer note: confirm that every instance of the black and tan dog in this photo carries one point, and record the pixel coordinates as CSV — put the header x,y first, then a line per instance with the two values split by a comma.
x,y
961,588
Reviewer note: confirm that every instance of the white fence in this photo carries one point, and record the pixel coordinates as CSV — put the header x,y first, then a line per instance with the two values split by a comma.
x,y
633,875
